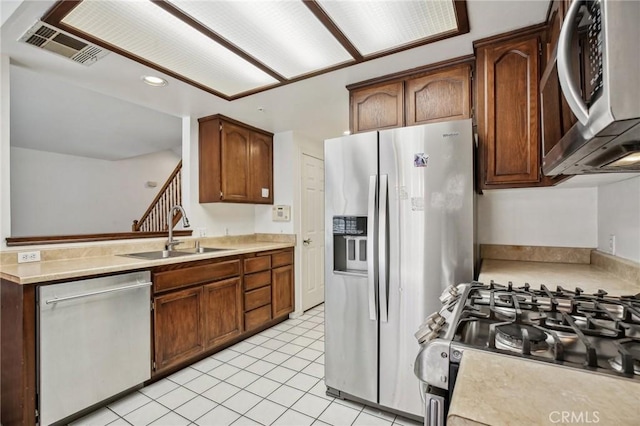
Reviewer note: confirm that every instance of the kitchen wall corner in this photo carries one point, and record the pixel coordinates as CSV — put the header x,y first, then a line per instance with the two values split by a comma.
x,y
619,215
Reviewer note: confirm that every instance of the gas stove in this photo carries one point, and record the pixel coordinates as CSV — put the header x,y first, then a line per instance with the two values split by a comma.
x,y
594,332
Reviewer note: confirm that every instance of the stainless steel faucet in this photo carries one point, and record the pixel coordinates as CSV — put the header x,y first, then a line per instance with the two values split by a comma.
x,y
185,222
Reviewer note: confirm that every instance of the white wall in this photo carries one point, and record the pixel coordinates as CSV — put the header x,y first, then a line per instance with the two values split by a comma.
x,y
539,217
54,194
619,215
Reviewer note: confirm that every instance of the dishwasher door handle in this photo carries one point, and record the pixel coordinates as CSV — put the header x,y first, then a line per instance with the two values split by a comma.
x,y
95,293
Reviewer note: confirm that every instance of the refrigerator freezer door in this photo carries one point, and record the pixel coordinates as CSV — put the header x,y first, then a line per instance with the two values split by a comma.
x,y
430,241
351,337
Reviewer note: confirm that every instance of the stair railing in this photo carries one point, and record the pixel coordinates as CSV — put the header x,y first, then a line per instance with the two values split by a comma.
x,y
155,218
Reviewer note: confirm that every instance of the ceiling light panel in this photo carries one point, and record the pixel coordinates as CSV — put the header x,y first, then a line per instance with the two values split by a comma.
x,y
376,26
150,33
283,35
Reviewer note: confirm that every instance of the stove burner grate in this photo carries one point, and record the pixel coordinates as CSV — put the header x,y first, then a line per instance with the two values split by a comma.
x,y
628,359
513,337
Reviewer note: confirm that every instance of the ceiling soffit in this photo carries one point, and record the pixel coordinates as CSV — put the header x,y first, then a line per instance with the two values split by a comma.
x,y
234,49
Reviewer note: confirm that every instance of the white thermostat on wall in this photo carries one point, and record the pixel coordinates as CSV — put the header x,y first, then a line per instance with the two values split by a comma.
x,y
281,213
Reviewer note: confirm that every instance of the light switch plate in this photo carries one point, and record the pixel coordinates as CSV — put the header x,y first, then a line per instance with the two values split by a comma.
x,y
265,192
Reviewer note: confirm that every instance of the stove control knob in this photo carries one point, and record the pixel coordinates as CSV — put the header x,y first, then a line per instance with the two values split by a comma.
x,y
435,321
425,335
429,337
448,294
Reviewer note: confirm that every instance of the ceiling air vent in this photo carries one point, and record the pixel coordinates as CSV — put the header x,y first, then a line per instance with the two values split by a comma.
x,y
54,40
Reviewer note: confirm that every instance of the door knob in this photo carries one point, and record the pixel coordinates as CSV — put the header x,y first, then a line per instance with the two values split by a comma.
x,y
306,242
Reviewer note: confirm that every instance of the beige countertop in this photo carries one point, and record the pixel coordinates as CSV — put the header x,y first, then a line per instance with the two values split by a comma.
x,y
568,275
493,389
106,259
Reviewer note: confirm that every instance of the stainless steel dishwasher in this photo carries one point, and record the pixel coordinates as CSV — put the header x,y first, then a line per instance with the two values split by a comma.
x,y
93,341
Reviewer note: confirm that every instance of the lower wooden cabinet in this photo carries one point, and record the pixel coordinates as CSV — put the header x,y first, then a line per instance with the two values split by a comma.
x,y
222,311
178,327
282,290
206,305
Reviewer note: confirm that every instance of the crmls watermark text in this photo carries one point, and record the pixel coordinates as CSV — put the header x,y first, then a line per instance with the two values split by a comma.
x,y
574,417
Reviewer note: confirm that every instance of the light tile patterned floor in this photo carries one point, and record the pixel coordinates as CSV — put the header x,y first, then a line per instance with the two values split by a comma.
x,y
272,378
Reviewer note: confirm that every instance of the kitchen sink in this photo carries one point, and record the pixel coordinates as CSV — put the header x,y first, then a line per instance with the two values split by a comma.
x,y
165,254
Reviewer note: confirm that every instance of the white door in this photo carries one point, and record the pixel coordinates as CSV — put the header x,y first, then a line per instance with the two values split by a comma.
x,y
312,231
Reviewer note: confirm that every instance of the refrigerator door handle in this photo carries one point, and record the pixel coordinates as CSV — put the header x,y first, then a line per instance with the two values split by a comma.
x,y
383,248
371,233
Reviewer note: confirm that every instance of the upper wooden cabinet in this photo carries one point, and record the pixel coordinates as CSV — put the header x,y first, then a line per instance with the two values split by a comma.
x,y
377,107
438,92
508,69
442,95
236,162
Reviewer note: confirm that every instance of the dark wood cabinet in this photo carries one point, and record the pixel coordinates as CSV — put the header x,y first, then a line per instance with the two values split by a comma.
x,y
222,311
282,290
261,172
508,69
377,107
203,306
428,94
236,162
197,306
268,286
442,95
178,327
235,147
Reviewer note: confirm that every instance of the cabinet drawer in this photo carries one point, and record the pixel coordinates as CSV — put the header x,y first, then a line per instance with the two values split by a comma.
x,y
281,259
168,280
258,263
257,317
256,298
260,279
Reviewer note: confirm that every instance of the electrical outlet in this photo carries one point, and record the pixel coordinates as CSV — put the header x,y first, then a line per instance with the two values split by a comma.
x,y
29,256
612,244
202,232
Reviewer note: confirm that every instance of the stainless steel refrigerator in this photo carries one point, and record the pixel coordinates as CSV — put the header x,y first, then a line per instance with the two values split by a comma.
x,y
399,229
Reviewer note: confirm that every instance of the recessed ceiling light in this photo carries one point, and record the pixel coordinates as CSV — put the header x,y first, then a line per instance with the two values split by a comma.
x,y
154,81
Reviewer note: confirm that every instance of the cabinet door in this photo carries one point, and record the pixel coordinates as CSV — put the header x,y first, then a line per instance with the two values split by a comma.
x,y
440,96
178,327
222,311
235,147
209,161
282,290
377,107
261,169
511,129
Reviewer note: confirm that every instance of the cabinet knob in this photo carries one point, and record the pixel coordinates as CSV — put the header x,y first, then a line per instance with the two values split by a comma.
x,y
306,242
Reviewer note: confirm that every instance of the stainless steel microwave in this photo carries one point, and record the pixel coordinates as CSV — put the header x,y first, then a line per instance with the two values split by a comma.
x,y
598,66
